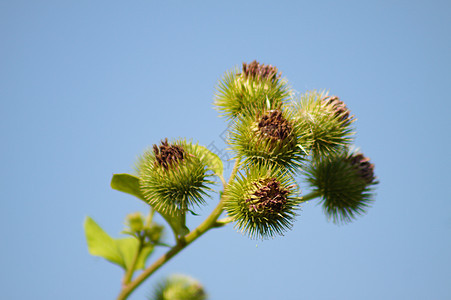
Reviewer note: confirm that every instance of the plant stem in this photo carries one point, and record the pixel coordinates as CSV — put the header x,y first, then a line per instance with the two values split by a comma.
x,y
223,222
129,274
150,217
206,225
310,196
224,183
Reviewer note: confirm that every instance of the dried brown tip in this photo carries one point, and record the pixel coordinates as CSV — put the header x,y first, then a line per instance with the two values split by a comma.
x,y
167,155
274,126
256,70
339,107
270,197
363,166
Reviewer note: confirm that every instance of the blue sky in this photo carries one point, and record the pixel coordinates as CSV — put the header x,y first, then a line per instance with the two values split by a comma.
x,y
87,86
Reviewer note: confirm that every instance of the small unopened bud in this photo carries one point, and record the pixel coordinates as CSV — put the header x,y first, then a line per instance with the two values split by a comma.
x,y
154,232
135,222
180,287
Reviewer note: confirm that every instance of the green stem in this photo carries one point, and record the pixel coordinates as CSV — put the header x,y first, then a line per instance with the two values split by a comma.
x,y
311,195
206,225
224,183
150,217
223,222
129,274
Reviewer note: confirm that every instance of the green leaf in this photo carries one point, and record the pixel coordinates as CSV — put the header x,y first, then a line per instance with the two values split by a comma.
x,y
130,184
101,244
127,248
211,160
118,251
177,224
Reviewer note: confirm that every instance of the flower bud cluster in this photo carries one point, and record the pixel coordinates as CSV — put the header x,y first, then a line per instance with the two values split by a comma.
x,y
268,131
273,139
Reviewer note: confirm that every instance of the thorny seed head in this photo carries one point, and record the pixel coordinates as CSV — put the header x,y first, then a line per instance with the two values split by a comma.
x,y
363,166
167,155
256,70
339,107
274,126
269,197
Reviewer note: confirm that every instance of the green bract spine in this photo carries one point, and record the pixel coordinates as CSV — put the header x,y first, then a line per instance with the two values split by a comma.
x,y
256,86
262,201
174,177
272,137
345,182
328,120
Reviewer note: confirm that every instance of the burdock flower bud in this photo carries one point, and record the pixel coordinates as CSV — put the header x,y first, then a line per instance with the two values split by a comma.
x,y
256,86
345,182
154,232
270,137
135,222
174,177
262,202
179,287
328,120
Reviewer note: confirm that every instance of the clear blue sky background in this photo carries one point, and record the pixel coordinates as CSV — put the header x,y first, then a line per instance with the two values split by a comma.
x,y
86,86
